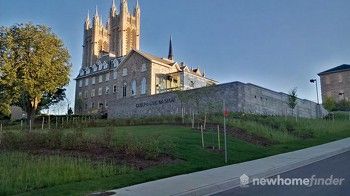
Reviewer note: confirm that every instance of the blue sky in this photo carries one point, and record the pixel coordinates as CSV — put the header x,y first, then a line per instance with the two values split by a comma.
x,y
277,44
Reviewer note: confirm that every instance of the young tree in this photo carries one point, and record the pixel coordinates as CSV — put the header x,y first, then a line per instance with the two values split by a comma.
x,y
329,104
292,99
33,64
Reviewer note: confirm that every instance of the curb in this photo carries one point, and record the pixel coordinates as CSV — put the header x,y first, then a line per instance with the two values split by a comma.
x,y
220,179
223,186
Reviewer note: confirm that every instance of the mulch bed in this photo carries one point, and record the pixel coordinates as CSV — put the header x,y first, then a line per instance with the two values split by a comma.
x,y
100,154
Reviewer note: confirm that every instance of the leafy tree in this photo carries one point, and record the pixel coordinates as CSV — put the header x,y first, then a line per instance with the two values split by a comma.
x,y
329,104
34,64
292,99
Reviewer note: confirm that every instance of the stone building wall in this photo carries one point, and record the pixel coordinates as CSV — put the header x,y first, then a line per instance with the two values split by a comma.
x,y
238,97
334,83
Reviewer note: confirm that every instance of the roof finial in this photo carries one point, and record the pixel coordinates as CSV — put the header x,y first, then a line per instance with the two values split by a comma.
x,y
170,55
88,16
96,12
113,4
137,4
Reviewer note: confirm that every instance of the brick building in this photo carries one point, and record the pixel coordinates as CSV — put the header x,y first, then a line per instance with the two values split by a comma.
x,y
335,83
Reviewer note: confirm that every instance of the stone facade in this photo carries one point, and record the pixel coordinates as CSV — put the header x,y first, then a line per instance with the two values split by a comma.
x,y
138,74
113,67
335,83
118,36
238,97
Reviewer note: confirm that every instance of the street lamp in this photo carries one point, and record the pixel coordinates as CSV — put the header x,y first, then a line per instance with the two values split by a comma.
x,y
315,81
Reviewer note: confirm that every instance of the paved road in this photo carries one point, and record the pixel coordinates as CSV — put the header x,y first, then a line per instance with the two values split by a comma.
x,y
338,166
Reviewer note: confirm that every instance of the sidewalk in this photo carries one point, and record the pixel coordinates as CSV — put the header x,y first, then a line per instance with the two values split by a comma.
x,y
224,178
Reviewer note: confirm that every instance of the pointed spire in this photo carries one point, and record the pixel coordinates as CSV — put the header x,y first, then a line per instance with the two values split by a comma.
x,y
96,12
170,55
137,4
124,6
88,16
113,4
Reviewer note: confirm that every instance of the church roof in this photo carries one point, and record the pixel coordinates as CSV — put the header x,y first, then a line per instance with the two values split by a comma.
x,y
340,68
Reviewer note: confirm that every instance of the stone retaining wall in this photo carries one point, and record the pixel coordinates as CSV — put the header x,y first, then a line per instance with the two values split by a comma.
x,y
238,97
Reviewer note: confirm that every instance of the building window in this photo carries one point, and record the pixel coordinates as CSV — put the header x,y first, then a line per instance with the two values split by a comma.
x,y
107,76
86,94
100,91
80,95
86,81
100,105
124,90
125,71
143,86
107,90
93,80
115,75
92,105
106,104
114,88
100,79
143,67
93,93
133,88
80,83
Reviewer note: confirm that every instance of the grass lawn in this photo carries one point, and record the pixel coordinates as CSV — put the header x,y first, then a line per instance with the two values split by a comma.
x,y
92,177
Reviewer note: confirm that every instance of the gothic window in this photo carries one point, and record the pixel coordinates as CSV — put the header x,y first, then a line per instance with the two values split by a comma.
x,y
86,94
133,36
143,67
128,39
107,76
92,105
105,46
93,80
80,83
124,90
143,86
115,74
93,93
100,91
100,45
86,81
104,65
107,90
115,63
125,71
133,88
94,67
114,88
100,79
80,95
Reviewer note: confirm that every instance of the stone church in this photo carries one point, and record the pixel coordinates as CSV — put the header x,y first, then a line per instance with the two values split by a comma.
x,y
114,68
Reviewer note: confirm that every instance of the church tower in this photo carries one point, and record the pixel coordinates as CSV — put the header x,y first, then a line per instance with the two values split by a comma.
x,y
118,36
124,29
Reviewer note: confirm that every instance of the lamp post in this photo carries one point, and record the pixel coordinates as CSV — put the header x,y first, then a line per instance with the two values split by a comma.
x,y
315,81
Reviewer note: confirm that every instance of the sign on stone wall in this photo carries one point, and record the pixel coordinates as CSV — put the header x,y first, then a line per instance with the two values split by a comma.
x,y
154,103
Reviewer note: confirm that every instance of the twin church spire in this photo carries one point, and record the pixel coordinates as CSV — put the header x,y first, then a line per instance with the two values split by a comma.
x,y
124,9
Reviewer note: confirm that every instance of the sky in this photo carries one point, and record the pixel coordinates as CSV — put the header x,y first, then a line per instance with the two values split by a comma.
x,y
277,44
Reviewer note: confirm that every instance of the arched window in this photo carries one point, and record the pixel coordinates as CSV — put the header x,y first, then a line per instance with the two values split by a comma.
x,y
143,86
133,88
124,90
